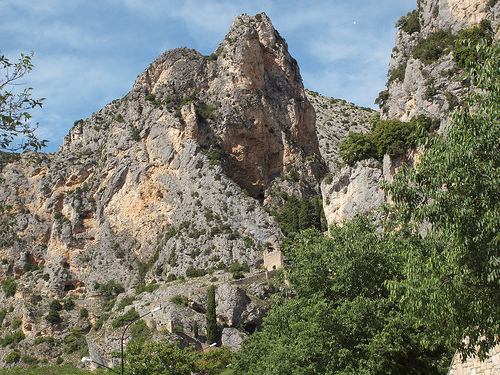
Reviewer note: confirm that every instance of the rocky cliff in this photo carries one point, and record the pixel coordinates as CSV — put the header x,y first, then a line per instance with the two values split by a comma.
x,y
176,169
429,81
170,182
154,197
423,78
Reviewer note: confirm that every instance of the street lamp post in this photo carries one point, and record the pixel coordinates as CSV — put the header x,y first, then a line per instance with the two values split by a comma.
x,y
132,322
87,360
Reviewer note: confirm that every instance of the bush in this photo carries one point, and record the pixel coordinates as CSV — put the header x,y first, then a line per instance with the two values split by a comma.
x,y
110,289
53,317
136,134
13,357
205,112
356,147
464,53
150,288
100,322
139,332
398,73
9,287
237,267
29,360
55,305
392,137
382,99
84,313
125,319
68,304
14,338
3,312
433,47
410,23
180,300
74,342
124,303
16,323
195,272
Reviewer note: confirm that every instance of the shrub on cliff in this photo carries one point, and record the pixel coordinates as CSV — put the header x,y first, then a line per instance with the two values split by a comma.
x,y
433,47
465,52
9,287
410,23
391,137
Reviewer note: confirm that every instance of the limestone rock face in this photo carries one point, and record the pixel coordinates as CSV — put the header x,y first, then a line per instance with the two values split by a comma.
x,y
353,190
171,177
263,120
433,88
453,14
235,308
358,189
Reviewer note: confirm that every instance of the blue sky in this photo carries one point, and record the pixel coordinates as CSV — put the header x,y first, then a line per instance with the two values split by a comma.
x,y
89,52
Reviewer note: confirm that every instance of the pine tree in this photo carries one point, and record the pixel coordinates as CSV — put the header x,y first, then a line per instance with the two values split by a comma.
x,y
195,329
212,331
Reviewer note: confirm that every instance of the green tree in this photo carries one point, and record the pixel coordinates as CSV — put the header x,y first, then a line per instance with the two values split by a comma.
x,y
195,329
356,147
159,358
126,318
465,54
211,317
454,285
341,320
53,317
14,116
16,130
55,305
214,361
409,23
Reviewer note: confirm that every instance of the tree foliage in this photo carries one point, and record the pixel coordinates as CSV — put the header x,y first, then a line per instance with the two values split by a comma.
x,y
9,287
409,23
299,214
465,54
454,286
15,124
340,319
433,47
163,358
212,329
391,137
159,358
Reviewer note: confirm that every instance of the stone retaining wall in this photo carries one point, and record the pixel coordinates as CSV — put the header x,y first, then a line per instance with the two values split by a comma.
x,y
474,366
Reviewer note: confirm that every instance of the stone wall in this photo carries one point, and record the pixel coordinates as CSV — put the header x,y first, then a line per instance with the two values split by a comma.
x,y
474,366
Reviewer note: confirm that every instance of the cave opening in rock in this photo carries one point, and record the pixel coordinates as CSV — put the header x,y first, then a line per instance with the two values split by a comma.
x,y
250,327
69,287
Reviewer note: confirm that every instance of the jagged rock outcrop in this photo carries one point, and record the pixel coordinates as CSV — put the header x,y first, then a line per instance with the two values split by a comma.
x,y
159,177
433,87
168,182
455,15
335,118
